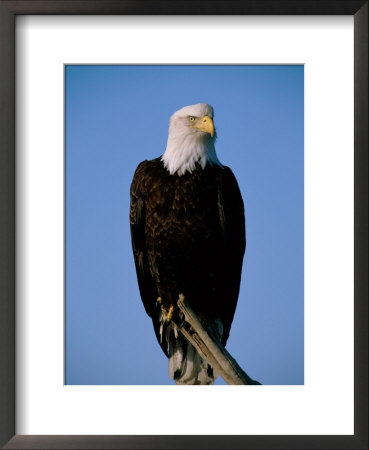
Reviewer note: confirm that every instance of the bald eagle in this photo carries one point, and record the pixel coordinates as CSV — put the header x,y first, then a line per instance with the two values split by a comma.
x,y
188,237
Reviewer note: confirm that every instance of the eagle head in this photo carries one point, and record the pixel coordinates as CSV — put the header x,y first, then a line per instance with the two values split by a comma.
x,y
191,139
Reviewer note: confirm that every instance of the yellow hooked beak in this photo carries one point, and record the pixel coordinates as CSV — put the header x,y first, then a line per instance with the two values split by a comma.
x,y
205,124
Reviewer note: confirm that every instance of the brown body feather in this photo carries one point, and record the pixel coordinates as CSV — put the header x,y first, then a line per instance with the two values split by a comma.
x,y
188,236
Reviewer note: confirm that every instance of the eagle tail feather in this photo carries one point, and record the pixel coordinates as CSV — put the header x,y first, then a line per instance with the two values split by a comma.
x,y
185,364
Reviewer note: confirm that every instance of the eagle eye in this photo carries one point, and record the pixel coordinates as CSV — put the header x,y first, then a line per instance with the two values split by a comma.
x,y
191,118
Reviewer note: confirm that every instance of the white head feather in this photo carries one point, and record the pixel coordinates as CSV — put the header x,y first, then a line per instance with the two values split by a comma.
x,y
187,145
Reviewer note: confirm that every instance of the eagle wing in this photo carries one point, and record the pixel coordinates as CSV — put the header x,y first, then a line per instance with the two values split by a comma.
x,y
232,220
145,276
146,282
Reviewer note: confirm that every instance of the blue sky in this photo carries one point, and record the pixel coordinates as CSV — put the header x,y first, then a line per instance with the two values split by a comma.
x,y
117,116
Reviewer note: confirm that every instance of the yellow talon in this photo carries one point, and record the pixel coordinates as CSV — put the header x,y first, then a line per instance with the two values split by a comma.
x,y
170,313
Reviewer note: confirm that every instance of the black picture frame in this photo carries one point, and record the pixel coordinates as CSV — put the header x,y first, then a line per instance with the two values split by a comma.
x,y
8,11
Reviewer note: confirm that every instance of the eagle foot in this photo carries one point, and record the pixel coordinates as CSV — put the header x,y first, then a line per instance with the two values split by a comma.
x,y
167,311
170,313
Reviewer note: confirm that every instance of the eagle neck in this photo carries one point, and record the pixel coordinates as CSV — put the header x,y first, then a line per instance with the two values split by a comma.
x,y
185,150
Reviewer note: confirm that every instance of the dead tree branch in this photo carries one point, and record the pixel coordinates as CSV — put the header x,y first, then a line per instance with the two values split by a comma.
x,y
210,348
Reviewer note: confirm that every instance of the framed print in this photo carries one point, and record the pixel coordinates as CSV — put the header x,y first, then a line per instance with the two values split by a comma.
x,y
65,64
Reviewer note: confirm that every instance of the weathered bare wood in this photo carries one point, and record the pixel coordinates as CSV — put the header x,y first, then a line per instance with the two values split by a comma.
x,y
210,348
